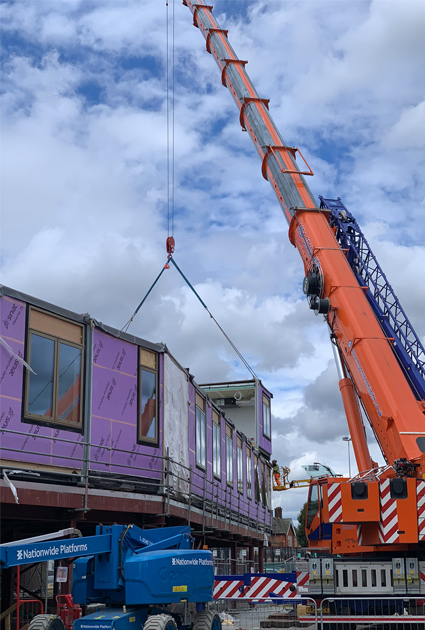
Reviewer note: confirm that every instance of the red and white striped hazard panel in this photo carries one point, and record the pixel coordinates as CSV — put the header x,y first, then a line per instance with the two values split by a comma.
x,y
388,527
334,503
262,587
302,581
420,496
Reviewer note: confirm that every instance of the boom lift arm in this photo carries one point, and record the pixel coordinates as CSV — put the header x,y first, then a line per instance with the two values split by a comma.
x,y
126,566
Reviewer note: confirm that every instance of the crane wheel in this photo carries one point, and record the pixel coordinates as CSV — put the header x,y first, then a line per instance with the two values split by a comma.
x,y
46,622
207,620
160,622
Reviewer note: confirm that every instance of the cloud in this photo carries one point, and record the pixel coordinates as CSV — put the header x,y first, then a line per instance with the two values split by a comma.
x,y
409,131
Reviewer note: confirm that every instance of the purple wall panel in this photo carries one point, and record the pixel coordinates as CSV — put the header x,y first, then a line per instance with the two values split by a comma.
x,y
114,411
31,447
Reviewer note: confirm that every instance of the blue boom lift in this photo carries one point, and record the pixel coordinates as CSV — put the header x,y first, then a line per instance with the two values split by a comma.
x,y
136,573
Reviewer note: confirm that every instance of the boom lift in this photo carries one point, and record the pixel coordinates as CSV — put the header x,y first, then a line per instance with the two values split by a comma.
x,y
379,357
135,572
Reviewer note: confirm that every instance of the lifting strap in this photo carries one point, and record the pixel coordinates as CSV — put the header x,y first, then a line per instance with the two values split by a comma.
x,y
166,266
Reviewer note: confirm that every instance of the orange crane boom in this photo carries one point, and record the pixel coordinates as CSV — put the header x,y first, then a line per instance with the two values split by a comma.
x,y
395,415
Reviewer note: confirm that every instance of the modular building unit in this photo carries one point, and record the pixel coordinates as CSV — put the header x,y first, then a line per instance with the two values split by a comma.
x,y
86,405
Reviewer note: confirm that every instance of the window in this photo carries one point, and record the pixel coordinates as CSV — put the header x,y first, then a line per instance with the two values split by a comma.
x,y
263,484
248,473
313,504
229,454
148,400
256,480
240,464
55,353
200,432
266,417
216,445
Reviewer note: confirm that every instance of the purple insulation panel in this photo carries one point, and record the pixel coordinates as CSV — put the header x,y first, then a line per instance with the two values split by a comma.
x,y
114,429
32,443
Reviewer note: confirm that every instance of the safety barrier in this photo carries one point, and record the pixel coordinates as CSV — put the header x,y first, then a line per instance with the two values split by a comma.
x,y
21,613
406,613
351,613
262,615
261,586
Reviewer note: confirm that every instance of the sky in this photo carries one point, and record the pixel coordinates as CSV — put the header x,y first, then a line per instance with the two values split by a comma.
x,y
86,190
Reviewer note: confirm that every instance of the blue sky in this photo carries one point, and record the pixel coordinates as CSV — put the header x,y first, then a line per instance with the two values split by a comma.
x,y
84,179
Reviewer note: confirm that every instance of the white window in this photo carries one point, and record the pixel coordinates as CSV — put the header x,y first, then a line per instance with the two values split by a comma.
x,y
200,429
266,417
216,445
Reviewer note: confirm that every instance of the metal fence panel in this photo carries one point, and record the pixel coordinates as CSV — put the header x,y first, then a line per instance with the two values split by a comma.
x,y
406,613
286,615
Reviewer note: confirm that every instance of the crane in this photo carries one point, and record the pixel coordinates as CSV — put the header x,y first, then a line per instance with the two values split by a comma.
x,y
375,375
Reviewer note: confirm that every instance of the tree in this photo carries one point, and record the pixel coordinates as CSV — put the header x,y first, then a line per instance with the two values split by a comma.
x,y
301,537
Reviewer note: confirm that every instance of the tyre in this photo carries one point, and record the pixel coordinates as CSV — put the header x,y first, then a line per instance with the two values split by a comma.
x,y
207,620
46,622
160,622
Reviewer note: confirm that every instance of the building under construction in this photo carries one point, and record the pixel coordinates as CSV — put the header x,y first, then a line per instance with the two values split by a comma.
x,y
99,426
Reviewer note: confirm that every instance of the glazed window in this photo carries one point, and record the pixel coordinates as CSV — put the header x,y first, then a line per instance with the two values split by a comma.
x,y
200,431
216,445
256,480
266,417
229,454
263,484
148,399
248,473
55,353
313,504
240,464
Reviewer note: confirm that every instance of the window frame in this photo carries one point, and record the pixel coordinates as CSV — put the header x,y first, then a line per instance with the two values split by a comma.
x,y
257,484
53,421
248,472
267,416
200,406
143,367
229,450
239,467
263,484
216,444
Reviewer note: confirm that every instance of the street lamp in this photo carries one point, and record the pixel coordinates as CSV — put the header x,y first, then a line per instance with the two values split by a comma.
x,y
348,440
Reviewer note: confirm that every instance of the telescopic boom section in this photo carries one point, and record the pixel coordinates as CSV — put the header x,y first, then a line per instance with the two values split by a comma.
x,y
396,416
